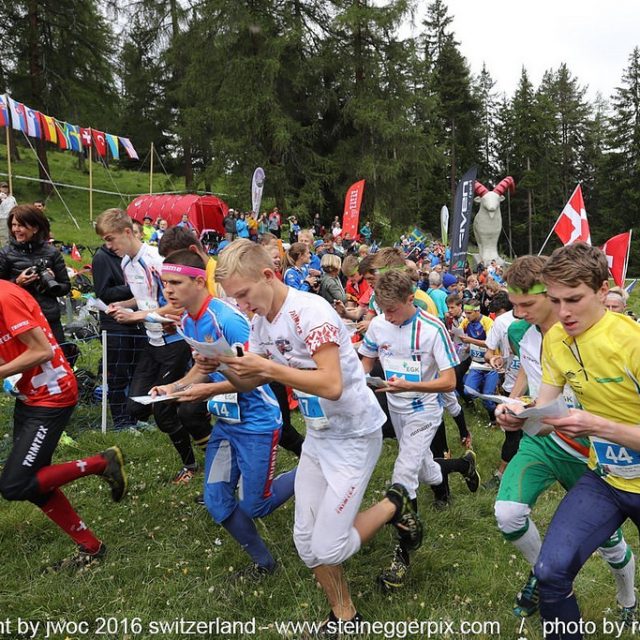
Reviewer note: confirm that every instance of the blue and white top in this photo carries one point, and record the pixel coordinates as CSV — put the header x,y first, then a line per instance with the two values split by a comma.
x,y
416,351
257,410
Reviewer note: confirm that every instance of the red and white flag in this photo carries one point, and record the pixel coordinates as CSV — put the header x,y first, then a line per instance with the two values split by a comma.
x,y
572,225
75,254
617,251
100,142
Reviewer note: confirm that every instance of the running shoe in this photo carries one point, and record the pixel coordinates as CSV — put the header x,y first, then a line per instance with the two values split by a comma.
x,y
79,561
493,484
628,615
252,573
472,477
184,476
406,520
393,577
114,472
199,499
334,629
528,599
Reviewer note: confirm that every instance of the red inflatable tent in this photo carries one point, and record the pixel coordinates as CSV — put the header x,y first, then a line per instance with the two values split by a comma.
x,y
205,212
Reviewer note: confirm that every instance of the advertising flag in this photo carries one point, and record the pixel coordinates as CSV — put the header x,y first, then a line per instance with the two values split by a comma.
x,y
462,212
617,251
351,215
444,225
572,225
257,184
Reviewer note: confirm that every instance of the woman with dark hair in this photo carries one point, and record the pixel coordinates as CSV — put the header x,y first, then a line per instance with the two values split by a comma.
x,y
35,265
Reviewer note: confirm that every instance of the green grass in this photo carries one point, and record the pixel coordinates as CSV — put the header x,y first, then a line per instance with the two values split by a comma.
x,y
167,559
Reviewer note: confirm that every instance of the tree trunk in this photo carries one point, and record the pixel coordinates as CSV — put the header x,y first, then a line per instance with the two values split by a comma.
x,y
43,168
530,213
188,166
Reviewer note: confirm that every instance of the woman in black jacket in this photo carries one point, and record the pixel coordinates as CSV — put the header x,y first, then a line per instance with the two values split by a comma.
x,y
32,263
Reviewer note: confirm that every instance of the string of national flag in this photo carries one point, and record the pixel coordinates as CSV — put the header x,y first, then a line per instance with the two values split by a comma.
x,y
66,135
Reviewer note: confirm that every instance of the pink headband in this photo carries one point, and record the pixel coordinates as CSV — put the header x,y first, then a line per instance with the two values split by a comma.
x,y
183,270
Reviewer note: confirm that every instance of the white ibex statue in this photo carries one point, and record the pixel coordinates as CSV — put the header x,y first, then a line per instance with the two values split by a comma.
x,y
487,223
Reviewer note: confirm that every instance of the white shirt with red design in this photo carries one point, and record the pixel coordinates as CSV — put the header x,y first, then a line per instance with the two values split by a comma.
x,y
51,384
304,323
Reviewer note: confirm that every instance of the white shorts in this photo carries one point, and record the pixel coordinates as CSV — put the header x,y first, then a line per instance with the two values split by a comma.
x,y
415,463
330,482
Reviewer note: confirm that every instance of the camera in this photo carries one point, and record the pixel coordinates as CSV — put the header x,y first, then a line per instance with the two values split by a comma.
x,y
48,283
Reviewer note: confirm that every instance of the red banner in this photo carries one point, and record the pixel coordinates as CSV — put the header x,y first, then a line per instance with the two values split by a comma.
x,y
351,216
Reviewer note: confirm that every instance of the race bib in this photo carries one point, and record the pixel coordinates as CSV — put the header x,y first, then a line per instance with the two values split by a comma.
x,y
616,459
409,370
225,407
477,353
311,411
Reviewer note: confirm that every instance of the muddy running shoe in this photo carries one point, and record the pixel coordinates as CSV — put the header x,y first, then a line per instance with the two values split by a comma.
x,y
393,577
252,573
114,473
628,616
406,520
472,477
80,561
528,599
184,476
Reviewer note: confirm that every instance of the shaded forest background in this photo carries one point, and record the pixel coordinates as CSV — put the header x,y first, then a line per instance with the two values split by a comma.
x,y
322,93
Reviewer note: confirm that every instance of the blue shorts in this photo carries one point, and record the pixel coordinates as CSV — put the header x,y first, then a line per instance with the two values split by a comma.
x,y
243,460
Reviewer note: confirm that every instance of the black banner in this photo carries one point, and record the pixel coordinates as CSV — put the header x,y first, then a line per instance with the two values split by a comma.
x,y
462,214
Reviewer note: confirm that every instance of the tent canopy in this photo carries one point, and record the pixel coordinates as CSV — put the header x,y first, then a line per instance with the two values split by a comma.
x,y
205,212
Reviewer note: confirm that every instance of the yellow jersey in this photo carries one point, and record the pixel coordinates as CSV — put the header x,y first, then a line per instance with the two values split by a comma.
x,y
602,366
427,301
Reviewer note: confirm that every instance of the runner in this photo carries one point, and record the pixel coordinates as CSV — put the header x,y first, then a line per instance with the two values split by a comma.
x,y
308,347
47,394
590,350
242,448
417,357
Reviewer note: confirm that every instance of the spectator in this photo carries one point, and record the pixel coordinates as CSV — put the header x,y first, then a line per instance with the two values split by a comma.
x,y
438,294
147,229
336,227
230,226
263,224
7,202
39,204
34,264
186,223
252,223
242,229
156,236
275,222
294,229
331,288
297,275
366,232
124,341
318,228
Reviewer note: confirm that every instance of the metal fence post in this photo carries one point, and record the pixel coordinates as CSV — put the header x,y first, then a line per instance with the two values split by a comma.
x,y
105,386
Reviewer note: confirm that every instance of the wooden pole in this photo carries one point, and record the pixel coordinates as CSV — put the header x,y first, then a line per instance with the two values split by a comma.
x,y
91,182
151,172
9,159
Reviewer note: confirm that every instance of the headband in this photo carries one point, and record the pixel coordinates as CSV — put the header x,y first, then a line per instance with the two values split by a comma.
x,y
183,270
470,307
538,287
616,293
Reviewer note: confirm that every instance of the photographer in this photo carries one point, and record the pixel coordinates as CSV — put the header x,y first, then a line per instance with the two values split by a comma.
x,y
35,265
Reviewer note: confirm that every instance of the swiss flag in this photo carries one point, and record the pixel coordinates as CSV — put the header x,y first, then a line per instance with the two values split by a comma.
x,y
572,225
75,254
85,136
617,251
100,142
